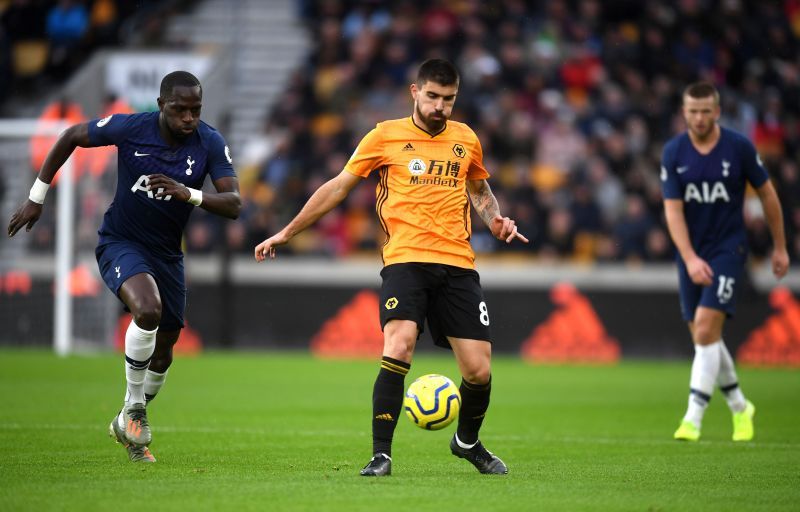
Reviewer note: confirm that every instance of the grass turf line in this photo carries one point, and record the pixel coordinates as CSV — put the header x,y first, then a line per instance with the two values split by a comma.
x,y
256,431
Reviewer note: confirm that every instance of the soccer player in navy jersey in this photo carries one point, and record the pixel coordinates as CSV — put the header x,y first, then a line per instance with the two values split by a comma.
x,y
704,175
163,160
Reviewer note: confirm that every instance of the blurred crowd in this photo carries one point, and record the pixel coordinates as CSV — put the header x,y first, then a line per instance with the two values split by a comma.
x,y
572,102
43,41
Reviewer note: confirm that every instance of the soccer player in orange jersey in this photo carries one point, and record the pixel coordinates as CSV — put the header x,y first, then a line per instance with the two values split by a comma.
x,y
430,170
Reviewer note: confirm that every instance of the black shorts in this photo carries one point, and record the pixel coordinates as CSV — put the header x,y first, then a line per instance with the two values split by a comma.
x,y
450,298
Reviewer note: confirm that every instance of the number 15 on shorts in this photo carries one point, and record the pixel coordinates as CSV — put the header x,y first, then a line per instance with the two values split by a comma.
x,y
725,289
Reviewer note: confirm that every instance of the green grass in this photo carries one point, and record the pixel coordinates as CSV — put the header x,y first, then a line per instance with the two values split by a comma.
x,y
272,431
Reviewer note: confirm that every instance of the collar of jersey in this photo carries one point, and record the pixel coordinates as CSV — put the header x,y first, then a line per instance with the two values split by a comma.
x,y
426,132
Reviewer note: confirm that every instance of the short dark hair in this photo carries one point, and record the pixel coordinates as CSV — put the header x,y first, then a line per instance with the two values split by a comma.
x,y
699,90
437,70
178,79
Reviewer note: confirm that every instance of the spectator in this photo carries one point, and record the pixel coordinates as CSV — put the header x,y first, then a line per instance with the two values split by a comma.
x,y
367,15
572,102
585,212
104,21
67,24
632,231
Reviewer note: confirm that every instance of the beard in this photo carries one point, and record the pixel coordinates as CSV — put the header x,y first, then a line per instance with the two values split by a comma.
x,y
432,124
702,132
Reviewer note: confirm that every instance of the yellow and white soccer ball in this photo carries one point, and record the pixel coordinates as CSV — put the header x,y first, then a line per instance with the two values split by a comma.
x,y
432,402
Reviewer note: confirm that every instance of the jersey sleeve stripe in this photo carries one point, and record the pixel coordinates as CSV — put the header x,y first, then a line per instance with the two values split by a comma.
x,y
383,194
466,218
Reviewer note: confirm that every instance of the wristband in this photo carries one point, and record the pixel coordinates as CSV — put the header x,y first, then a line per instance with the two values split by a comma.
x,y
196,196
38,191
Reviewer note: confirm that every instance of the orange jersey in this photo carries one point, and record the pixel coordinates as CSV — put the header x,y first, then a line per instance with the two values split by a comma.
x,y
422,200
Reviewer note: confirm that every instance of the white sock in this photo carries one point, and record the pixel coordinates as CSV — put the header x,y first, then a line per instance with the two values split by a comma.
x,y
728,381
152,383
464,445
705,369
139,347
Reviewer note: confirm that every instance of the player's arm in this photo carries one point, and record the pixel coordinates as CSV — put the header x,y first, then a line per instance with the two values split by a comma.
x,y
485,204
225,202
699,271
325,199
774,215
26,215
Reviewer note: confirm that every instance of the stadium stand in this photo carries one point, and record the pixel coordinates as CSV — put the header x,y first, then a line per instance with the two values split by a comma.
x,y
45,41
572,102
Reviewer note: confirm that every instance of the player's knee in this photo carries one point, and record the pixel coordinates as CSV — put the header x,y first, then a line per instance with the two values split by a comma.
x,y
400,340
148,316
704,334
477,374
398,347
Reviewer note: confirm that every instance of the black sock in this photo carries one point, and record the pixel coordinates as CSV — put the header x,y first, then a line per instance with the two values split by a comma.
x,y
387,402
474,403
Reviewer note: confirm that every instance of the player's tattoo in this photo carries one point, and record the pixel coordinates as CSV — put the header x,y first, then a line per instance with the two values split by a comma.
x,y
484,202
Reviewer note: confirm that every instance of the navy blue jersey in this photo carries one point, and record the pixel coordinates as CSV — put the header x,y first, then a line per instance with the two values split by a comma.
x,y
712,188
136,214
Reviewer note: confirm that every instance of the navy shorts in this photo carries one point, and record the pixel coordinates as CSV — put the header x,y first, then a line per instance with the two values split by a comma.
x,y
449,298
721,294
120,260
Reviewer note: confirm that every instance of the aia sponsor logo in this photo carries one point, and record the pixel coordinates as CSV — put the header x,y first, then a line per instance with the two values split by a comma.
x,y
705,192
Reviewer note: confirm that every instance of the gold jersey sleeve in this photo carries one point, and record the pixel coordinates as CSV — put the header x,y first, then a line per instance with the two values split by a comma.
x,y
421,197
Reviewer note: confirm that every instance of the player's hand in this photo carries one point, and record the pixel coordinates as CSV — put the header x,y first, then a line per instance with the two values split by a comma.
x,y
267,247
165,186
26,215
699,271
504,228
780,262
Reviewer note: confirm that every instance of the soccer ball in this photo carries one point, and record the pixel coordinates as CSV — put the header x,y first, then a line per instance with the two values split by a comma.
x,y
432,402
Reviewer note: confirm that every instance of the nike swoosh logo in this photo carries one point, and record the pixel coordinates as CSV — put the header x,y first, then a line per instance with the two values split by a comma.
x,y
682,169
136,153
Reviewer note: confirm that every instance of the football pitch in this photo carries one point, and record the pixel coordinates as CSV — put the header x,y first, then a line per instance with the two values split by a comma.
x,y
285,431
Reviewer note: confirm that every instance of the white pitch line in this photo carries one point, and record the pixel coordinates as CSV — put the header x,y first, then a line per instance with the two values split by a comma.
x,y
532,439
186,430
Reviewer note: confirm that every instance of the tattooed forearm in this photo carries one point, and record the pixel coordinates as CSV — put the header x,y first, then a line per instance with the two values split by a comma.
x,y
484,201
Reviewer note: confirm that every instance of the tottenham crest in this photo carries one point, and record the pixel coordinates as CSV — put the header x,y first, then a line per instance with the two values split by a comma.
x,y
190,163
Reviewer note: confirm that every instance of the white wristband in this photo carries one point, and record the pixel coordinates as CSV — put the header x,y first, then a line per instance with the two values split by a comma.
x,y
38,191
196,196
